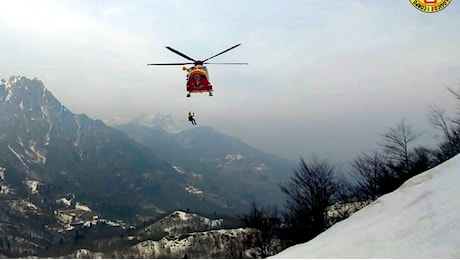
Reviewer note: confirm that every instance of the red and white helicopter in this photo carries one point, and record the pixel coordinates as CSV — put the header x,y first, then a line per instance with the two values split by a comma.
x,y
197,75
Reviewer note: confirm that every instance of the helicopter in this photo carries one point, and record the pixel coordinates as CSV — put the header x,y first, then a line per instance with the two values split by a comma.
x,y
197,75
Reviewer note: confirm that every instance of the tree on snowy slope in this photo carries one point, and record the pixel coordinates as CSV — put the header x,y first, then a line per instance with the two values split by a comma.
x,y
266,222
448,150
369,173
423,159
396,145
449,146
450,128
380,173
373,175
309,193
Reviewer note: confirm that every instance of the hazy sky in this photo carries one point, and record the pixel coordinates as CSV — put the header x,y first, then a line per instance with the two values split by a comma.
x,y
324,77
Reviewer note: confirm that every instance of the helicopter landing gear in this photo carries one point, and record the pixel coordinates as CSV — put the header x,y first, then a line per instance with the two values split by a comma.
x,y
210,94
188,94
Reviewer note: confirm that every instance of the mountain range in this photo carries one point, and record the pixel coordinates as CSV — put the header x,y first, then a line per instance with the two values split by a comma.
x,y
62,168
248,174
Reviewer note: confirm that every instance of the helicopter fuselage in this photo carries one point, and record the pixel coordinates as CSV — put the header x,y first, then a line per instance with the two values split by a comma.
x,y
198,79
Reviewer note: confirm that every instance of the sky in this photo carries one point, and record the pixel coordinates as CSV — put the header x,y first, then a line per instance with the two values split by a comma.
x,y
420,220
325,78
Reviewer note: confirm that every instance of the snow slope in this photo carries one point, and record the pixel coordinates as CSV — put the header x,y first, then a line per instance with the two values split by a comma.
x,y
421,219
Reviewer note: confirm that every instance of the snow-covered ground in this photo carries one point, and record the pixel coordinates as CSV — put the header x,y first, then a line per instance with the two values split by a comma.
x,y
421,219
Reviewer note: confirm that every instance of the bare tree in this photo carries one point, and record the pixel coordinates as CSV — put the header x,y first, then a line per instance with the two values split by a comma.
x,y
450,146
396,145
439,120
456,94
265,222
310,191
371,175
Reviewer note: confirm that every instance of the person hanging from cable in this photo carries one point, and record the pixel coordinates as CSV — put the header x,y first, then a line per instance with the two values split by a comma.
x,y
191,117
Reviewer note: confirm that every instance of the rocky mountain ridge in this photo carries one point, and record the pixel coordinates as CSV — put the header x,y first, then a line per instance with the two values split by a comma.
x,y
81,180
174,236
61,153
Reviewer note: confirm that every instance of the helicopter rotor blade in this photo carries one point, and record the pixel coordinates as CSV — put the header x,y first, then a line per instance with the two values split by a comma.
x,y
163,64
222,52
180,53
227,63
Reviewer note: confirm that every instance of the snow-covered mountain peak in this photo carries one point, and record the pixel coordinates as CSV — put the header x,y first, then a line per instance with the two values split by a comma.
x,y
21,82
12,81
28,113
19,90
